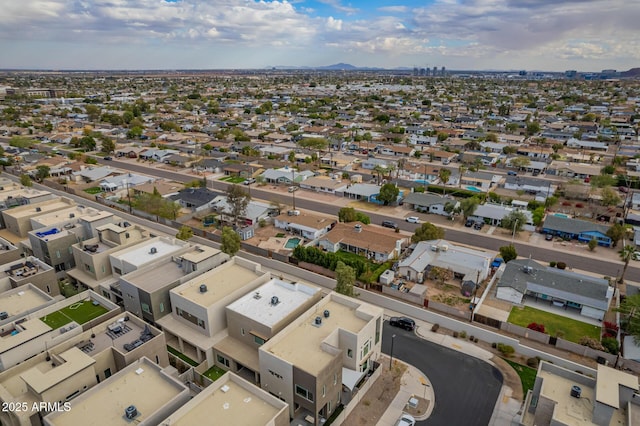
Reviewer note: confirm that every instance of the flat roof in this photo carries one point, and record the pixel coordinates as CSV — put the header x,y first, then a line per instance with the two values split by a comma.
x,y
259,307
608,385
58,216
141,254
31,209
26,331
44,376
220,282
22,299
200,253
229,401
141,384
153,277
301,346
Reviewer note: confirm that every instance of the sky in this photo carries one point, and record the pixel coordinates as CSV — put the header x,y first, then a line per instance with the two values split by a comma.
x,y
552,35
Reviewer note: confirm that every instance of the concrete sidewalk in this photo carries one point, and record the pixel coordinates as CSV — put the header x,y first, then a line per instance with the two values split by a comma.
x,y
414,382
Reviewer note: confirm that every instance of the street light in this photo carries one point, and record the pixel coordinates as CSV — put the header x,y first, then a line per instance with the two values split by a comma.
x,y
391,355
126,183
515,224
293,180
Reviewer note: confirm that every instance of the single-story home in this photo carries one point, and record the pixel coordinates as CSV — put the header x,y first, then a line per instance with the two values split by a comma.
x,y
429,203
493,214
309,226
466,263
574,229
589,295
322,184
196,199
379,244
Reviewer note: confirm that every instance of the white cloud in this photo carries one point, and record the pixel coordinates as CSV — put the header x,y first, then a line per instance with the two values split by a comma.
x,y
334,24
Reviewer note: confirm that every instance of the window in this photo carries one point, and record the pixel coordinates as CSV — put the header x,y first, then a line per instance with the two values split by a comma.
x,y
87,267
161,307
324,390
58,253
70,250
242,331
200,323
103,270
365,349
126,235
117,270
107,373
378,326
335,379
145,308
258,340
350,353
222,360
304,393
329,407
48,289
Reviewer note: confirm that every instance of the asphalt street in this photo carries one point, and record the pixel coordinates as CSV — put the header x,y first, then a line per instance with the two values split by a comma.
x,y
466,388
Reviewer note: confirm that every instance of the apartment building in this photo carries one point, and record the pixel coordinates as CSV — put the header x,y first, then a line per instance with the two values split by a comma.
x,y
565,397
18,219
92,256
255,318
231,400
8,251
30,270
331,346
198,318
144,253
36,322
67,370
145,292
143,394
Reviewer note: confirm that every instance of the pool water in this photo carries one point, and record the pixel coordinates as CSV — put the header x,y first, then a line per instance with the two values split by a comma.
x,y
474,189
292,243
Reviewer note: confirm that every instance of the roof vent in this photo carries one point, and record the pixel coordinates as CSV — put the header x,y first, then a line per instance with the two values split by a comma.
x,y
358,228
318,321
527,269
203,288
576,392
274,300
153,250
131,412
72,215
326,313
256,295
38,209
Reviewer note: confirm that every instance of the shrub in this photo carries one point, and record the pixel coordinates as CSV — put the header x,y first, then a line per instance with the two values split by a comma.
x,y
506,350
463,334
471,338
611,345
455,334
561,265
536,327
475,340
579,205
566,203
610,327
494,345
532,362
591,343
553,264
435,327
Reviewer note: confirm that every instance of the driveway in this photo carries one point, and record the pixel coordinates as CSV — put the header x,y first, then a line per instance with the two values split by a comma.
x,y
466,388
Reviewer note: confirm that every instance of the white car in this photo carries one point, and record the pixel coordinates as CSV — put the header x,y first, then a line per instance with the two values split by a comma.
x,y
406,420
413,219
636,255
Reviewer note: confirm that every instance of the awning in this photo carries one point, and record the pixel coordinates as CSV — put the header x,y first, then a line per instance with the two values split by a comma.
x,y
350,378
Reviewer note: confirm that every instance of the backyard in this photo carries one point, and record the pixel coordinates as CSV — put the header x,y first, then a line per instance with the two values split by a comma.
x,y
80,312
555,325
214,373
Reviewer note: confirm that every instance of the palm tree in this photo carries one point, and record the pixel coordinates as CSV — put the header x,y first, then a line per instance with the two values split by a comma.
x,y
461,172
626,254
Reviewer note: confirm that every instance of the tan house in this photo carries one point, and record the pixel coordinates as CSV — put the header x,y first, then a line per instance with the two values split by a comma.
x,y
379,244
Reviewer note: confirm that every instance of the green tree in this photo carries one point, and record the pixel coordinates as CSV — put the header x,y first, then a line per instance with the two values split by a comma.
x,y
520,162
601,181
184,233
317,144
347,214
538,216
292,157
444,175
230,241
616,232
238,200
630,310
516,219
593,243
25,180
345,280
108,146
508,253
533,127
550,201
426,232
135,132
626,253
609,197
468,206
42,172
388,193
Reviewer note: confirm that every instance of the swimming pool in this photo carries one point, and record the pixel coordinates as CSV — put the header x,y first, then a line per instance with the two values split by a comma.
x,y
473,189
292,243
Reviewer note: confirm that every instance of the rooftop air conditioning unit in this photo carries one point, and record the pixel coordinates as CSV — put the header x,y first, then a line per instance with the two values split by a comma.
x,y
326,313
274,300
153,250
203,288
527,269
318,321
38,209
72,215
131,412
576,392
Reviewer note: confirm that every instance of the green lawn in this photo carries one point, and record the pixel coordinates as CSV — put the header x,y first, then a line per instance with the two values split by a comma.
x,y
233,179
569,329
80,312
93,190
182,356
527,375
214,373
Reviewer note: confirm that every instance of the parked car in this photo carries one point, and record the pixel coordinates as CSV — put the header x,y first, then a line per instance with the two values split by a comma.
x,y
548,237
389,224
402,322
469,223
406,420
413,219
623,189
293,212
512,173
293,188
108,158
249,181
478,225
636,255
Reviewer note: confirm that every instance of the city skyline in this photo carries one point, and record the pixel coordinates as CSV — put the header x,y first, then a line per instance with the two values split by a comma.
x,y
189,34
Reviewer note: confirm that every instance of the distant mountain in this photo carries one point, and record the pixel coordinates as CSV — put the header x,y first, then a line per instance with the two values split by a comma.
x,y
340,66
633,72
